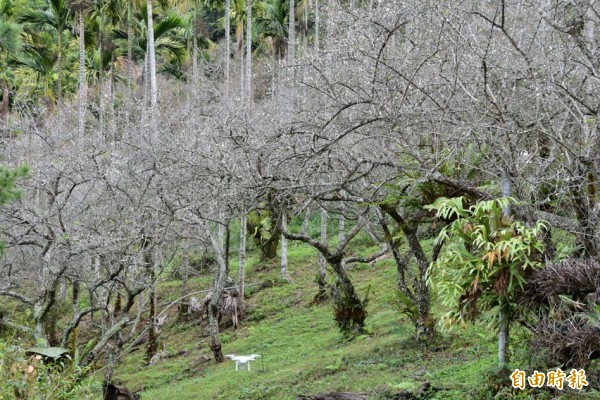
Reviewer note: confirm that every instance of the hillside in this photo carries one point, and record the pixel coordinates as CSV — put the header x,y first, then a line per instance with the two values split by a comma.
x,y
382,171
303,352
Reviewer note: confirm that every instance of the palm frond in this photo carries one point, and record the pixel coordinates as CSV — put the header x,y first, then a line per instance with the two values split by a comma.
x,y
10,37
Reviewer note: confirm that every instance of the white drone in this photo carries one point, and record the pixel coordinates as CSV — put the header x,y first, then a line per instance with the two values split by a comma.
x,y
242,360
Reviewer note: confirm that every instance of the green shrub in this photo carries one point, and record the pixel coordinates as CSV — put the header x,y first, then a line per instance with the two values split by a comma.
x,y
32,378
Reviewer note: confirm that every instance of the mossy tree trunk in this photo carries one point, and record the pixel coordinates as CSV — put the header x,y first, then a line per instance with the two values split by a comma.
x,y
185,272
265,238
221,248
322,273
350,310
419,294
268,248
153,343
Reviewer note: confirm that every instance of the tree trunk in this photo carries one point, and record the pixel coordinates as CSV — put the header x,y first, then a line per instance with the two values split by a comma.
x,y
341,226
322,273
284,249
305,30
195,48
227,45
424,324
152,348
185,272
504,314
153,344
146,79
222,253
130,34
504,319
329,39
242,66
100,78
38,330
111,98
5,98
40,314
350,312
292,33
242,270
81,78
317,23
249,50
151,58
59,65
268,250
93,354
268,247
213,326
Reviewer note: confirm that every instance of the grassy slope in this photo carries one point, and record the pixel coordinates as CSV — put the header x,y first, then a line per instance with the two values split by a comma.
x,y
304,353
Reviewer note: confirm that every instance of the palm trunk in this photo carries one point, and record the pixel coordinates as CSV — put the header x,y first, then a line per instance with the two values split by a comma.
x,y
195,48
194,64
146,79
242,86
274,72
81,78
151,58
100,78
292,33
305,30
249,49
111,98
317,23
59,66
329,39
129,49
227,45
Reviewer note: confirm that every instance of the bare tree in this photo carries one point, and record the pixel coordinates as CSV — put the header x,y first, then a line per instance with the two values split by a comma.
x,y
350,309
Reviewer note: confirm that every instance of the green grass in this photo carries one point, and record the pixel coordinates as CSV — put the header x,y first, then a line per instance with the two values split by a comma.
x,y
302,350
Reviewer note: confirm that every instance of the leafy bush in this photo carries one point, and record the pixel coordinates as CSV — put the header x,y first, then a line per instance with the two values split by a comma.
x,y
485,262
32,377
486,259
